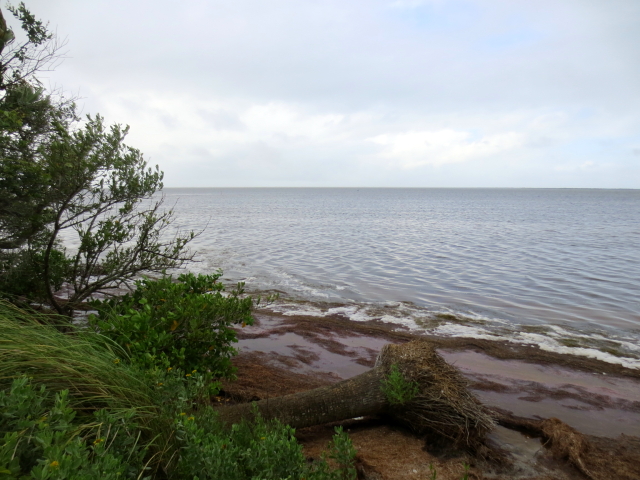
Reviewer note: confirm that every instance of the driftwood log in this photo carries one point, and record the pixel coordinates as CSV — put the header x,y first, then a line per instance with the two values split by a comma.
x,y
443,406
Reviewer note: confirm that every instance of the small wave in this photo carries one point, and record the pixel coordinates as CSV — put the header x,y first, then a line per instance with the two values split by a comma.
x,y
450,322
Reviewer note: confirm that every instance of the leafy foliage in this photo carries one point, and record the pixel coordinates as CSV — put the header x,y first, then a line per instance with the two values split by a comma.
x,y
130,401
253,450
343,454
22,272
248,450
106,199
39,438
43,437
28,116
397,389
184,325
57,175
90,411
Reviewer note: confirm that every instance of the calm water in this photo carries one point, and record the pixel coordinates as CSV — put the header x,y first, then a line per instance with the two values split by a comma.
x,y
546,257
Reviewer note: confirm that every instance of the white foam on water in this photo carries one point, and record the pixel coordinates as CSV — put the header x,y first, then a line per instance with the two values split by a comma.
x,y
347,311
632,363
559,332
550,345
543,342
495,329
479,317
362,314
631,346
355,313
408,323
291,309
457,330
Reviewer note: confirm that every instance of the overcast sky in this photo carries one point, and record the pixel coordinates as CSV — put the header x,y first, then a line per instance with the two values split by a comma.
x,y
389,93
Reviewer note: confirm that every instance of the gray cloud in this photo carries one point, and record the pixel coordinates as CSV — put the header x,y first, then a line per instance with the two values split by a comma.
x,y
221,119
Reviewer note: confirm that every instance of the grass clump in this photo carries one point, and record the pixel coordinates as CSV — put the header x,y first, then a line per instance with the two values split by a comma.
x,y
94,370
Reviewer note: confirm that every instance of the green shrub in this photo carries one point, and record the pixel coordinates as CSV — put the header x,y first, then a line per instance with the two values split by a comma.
x,y
397,389
254,450
183,325
41,438
342,452
73,406
249,450
177,391
21,272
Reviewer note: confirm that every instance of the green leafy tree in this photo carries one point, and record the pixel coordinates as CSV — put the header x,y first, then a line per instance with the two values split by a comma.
x,y
59,174
104,194
27,118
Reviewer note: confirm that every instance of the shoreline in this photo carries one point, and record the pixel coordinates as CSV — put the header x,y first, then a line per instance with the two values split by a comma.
x,y
284,354
500,349
590,340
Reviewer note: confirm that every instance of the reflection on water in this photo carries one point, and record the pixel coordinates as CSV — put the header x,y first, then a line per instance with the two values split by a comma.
x,y
593,403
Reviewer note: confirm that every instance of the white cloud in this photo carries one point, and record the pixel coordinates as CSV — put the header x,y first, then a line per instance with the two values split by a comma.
x,y
585,166
288,122
418,148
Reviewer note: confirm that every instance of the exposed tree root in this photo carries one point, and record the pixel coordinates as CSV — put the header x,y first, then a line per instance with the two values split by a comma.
x,y
594,457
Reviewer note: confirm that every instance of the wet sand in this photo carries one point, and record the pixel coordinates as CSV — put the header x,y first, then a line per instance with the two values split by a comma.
x,y
288,354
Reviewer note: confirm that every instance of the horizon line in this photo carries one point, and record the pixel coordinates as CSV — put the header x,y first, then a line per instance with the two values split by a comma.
x,y
417,188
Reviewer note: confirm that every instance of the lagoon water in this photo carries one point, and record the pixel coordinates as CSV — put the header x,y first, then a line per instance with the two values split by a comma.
x,y
565,261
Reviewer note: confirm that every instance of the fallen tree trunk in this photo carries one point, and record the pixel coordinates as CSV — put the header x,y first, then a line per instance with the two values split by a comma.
x,y
356,397
442,404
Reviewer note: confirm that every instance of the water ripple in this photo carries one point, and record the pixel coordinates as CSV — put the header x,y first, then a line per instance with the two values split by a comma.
x,y
530,256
